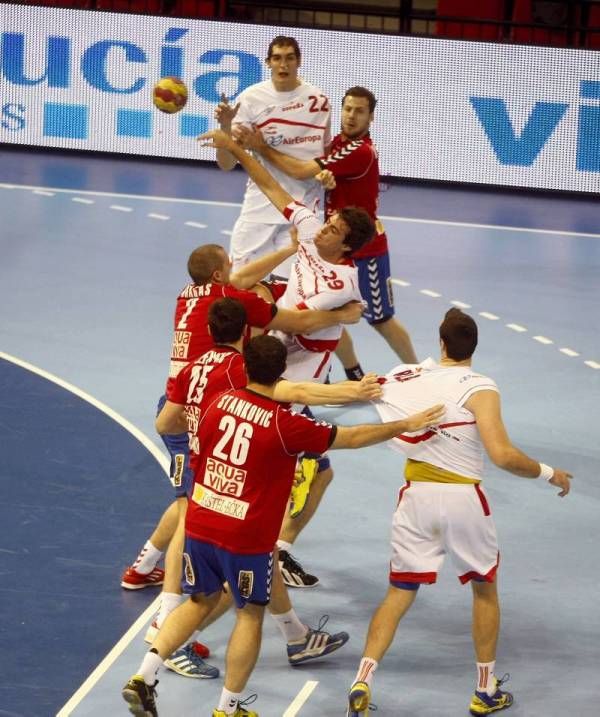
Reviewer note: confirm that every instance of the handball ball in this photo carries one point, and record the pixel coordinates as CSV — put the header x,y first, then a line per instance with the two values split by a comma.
x,y
170,95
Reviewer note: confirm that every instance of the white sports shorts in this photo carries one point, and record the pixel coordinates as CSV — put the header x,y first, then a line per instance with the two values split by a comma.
x,y
250,241
435,519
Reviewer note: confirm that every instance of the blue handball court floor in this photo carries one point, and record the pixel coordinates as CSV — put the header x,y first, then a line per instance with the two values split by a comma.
x,y
94,250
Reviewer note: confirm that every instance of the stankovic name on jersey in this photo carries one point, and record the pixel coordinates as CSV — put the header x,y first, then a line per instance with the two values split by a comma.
x,y
248,411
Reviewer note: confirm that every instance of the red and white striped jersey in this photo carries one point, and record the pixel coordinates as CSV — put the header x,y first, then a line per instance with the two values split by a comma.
x,y
315,283
295,123
454,444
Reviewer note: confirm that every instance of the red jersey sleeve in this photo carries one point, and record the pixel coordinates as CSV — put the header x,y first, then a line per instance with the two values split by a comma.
x,y
258,311
299,433
352,160
178,390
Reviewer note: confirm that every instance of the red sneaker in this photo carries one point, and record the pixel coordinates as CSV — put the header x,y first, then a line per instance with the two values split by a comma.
x,y
132,580
200,649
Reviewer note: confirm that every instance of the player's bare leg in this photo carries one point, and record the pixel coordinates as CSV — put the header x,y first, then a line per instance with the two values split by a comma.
x,y
382,630
398,339
173,557
161,537
385,621
292,527
486,620
244,647
182,622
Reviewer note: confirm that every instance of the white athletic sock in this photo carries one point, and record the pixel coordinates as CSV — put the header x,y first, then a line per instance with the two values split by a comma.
x,y
283,545
147,559
485,677
149,667
291,627
365,670
168,603
228,701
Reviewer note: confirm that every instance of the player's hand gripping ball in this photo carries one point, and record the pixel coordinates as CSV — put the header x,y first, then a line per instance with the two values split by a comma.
x,y
170,95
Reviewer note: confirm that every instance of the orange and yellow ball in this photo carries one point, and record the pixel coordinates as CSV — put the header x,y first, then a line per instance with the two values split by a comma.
x,y
169,95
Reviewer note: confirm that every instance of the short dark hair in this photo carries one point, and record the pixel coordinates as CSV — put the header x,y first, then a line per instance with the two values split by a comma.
x,y
204,261
226,319
359,91
362,227
458,331
265,358
284,41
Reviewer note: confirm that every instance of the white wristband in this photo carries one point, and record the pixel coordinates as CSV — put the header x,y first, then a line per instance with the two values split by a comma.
x,y
546,472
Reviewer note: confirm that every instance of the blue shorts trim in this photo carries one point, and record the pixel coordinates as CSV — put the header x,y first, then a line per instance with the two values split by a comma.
x,y
376,288
206,568
405,586
180,473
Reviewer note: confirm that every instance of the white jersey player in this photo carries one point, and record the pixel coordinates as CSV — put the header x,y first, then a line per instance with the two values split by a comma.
x,y
442,509
321,274
314,283
295,117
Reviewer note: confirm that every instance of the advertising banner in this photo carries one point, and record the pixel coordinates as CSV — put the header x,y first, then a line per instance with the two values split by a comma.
x,y
447,110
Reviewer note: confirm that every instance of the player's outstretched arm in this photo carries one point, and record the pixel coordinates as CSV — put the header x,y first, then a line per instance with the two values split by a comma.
x,y
316,394
278,197
305,321
250,274
171,419
293,167
368,434
485,406
225,114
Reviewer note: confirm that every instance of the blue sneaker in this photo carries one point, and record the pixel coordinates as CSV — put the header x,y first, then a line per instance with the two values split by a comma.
x,y
359,698
187,662
483,704
317,643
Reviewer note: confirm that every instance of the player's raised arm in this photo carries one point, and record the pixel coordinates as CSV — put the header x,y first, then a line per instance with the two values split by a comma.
x,y
225,114
292,166
278,197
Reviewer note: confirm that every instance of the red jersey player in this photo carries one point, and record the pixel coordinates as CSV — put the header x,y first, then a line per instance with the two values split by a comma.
x,y
353,162
235,512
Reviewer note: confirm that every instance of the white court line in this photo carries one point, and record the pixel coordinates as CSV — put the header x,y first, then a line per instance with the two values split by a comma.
x,y
501,227
197,225
592,364
516,327
543,340
43,193
227,232
441,222
109,660
163,217
299,699
400,282
162,460
121,208
460,304
124,196
568,352
487,315
82,200
429,292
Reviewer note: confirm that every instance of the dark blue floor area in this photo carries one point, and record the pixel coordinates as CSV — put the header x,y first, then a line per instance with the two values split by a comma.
x,y
156,177
70,486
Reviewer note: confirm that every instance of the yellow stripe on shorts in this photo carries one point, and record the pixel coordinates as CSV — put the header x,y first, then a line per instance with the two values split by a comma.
x,y
428,473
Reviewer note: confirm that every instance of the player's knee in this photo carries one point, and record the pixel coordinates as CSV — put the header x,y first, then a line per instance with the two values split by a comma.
x,y
325,476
